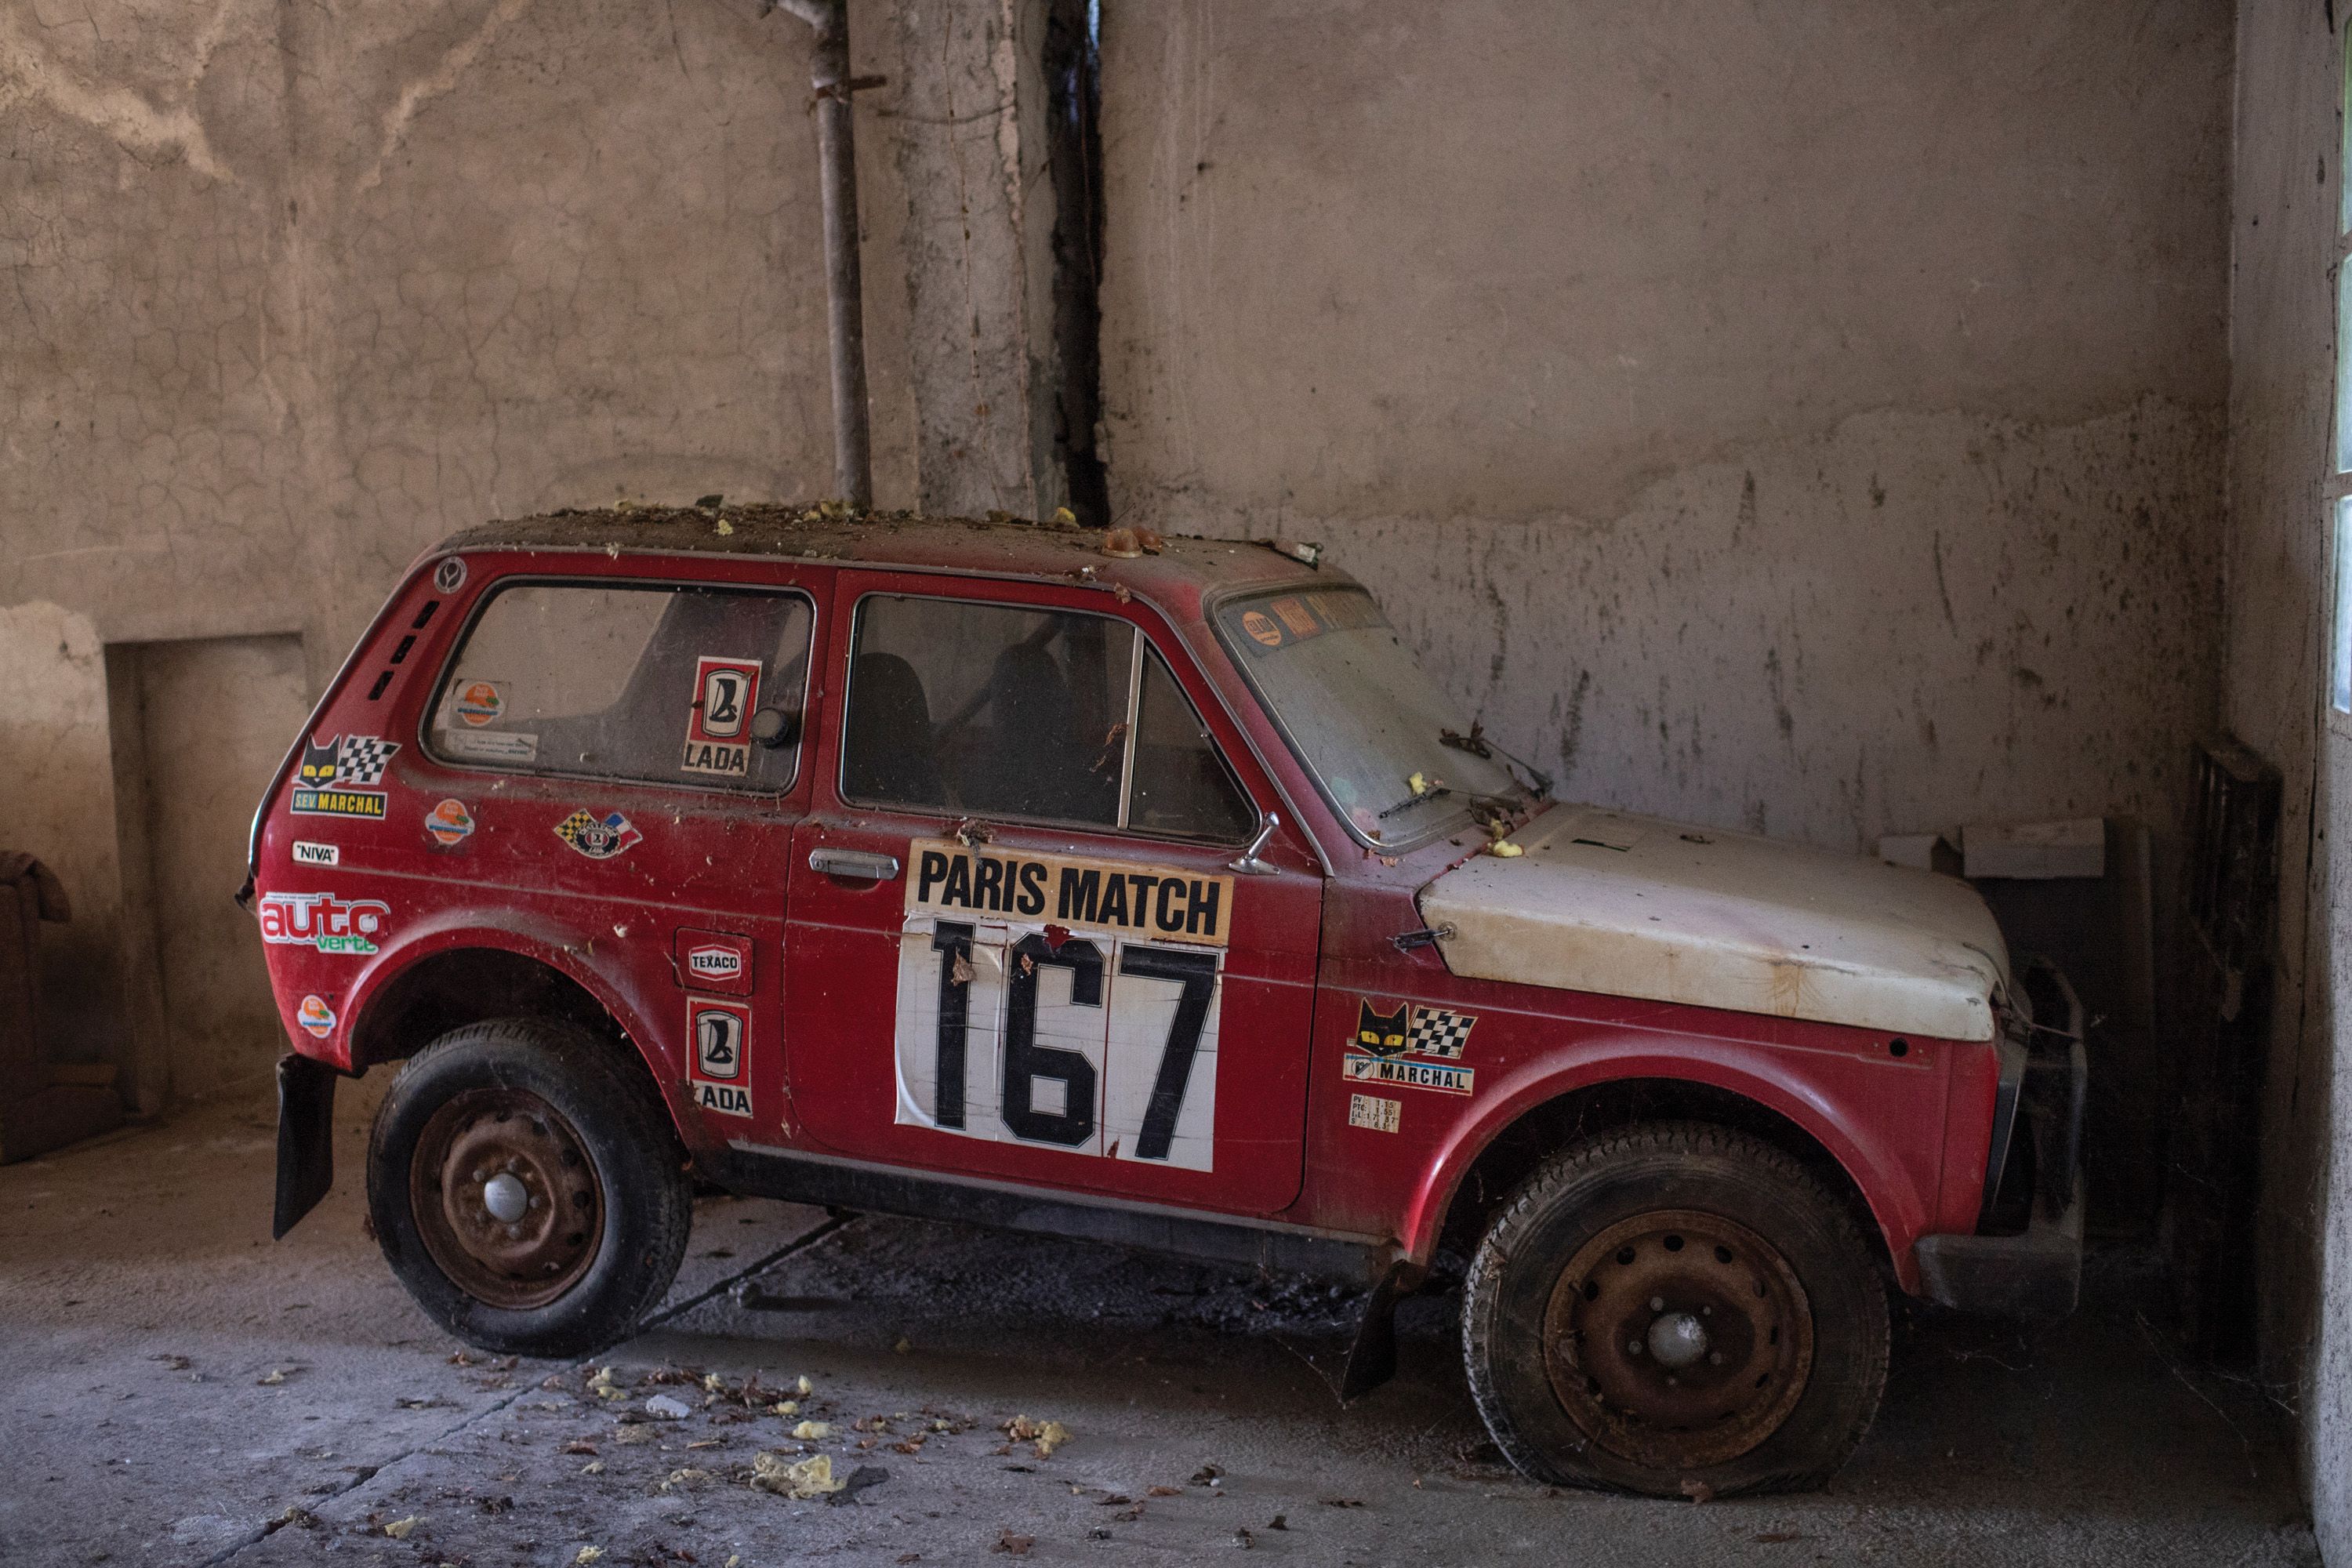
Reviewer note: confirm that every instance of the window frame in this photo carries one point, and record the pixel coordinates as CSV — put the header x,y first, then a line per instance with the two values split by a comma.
x,y
490,594
1142,639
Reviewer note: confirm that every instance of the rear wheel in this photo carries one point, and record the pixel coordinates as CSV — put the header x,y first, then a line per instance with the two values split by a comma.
x,y
1675,1306
526,1188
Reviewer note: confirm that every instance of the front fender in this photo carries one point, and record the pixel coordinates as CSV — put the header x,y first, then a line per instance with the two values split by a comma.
x,y
1788,1083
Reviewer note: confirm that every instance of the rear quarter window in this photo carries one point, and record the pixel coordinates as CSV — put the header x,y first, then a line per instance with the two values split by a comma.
x,y
659,684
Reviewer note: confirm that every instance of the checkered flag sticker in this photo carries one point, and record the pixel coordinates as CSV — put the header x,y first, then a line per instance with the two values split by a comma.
x,y
1438,1032
361,758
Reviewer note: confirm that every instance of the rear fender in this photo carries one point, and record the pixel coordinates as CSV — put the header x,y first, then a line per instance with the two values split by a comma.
x,y
549,943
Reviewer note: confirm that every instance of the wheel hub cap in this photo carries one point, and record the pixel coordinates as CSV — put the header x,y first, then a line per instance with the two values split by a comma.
x,y
1679,1339
507,1200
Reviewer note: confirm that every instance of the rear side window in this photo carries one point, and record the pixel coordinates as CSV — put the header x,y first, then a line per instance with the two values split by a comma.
x,y
661,685
995,710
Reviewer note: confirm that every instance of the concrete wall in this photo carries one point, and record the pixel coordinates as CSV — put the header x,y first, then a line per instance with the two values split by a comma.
x,y
1808,419
2281,565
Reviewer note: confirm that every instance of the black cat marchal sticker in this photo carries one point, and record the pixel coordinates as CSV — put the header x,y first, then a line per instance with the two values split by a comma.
x,y
944,878
341,776
1409,1045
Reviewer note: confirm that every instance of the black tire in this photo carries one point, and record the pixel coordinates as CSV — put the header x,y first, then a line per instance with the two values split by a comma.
x,y
1724,1225
584,1134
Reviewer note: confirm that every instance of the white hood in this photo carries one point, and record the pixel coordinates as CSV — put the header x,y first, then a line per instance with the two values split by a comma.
x,y
1633,906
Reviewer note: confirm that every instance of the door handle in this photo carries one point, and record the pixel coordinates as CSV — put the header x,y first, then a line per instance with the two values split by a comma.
x,y
863,863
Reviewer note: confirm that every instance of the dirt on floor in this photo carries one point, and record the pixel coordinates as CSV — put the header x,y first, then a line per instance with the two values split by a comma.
x,y
183,1391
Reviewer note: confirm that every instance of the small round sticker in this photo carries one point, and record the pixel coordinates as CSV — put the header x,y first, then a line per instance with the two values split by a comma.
x,y
450,822
450,576
479,704
1261,628
317,1018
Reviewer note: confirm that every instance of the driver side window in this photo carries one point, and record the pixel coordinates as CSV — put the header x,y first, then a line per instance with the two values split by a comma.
x,y
1048,715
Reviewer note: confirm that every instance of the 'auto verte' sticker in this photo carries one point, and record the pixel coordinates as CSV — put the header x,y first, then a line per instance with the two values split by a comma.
x,y
324,922
1163,904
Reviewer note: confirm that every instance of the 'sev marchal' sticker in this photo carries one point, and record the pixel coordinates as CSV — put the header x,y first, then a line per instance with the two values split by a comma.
x,y
341,775
1063,1002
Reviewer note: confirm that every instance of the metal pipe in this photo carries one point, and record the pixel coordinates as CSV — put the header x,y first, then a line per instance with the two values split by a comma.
x,y
836,146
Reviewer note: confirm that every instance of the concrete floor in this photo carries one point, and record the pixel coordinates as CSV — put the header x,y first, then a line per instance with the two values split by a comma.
x,y
181,1391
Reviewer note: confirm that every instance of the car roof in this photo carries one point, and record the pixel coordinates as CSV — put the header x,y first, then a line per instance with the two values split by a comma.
x,y
1176,576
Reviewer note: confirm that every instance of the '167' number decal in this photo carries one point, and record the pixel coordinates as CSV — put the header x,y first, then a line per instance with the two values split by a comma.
x,y
1100,1044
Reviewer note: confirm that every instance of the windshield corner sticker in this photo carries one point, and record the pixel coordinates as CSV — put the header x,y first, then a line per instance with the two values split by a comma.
x,y
721,1036
598,838
478,703
1387,1040
318,1019
1158,902
323,921
1370,1110
338,777
308,854
726,694
449,824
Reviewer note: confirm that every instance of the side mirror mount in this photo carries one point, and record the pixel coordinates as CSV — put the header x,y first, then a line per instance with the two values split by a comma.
x,y
1247,863
773,727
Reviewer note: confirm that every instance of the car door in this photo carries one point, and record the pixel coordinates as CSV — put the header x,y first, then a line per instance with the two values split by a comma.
x,y
1019,944
594,764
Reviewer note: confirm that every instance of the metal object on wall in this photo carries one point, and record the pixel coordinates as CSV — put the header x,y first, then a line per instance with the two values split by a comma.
x,y
836,146
2216,1166
44,1105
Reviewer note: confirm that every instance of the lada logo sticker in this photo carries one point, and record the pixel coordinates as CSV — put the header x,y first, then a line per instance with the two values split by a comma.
x,y
714,962
449,824
726,693
719,1035
317,1018
323,921
479,704
338,777
598,838
1120,897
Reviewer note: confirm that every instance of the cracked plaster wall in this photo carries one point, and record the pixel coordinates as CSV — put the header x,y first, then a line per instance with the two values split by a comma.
x,y
1803,418
2287,181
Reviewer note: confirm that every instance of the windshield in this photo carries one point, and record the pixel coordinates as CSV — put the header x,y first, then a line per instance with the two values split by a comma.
x,y
1367,722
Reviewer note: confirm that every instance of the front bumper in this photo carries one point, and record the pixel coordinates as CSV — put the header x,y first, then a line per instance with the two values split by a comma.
x,y
2026,1258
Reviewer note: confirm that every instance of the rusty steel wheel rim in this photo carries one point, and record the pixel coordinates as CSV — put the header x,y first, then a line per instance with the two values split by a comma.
x,y
1679,1339
506,1198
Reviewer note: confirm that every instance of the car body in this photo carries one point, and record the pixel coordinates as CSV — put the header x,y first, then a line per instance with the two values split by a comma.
x,y
1166,974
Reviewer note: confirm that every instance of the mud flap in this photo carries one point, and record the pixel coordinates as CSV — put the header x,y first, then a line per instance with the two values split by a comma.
x,y
306,1138
1371,1359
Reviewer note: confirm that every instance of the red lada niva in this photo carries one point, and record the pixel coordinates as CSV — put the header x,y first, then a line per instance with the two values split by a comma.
x,y
971,872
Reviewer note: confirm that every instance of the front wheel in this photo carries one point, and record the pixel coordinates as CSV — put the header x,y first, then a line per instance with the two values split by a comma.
x,y
526,1188
1671,1307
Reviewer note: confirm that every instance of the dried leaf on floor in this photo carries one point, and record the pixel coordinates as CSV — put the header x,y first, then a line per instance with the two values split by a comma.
x,y
1696,1490
399,1528
809,1478
662,1408
1016,1545
813,1431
